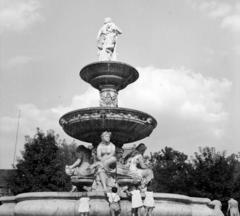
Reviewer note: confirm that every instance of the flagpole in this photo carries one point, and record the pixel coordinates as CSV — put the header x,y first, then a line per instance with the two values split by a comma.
x,y
16,139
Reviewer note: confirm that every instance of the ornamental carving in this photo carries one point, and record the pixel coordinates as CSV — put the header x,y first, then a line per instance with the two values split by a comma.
x,y
108,100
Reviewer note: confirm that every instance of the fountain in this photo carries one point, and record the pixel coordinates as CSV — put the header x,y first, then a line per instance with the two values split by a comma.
x,y
94,174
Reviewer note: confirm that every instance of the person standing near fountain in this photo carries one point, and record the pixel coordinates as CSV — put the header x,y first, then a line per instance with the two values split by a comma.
x,y
137,204
106,163
149,203
114,202
84,206
233,207
109,32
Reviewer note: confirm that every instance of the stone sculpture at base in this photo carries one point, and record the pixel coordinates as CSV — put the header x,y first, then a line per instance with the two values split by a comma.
x,y
105,167
108,48
80,169
134,160
81,165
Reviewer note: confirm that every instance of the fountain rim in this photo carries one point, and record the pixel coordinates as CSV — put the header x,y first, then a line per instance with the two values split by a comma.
x,y
108,62
7,199
97,65
98,194
108,108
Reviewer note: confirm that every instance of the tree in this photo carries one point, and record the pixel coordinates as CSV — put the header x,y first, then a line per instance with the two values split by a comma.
x,y
41,167
212,175
170,169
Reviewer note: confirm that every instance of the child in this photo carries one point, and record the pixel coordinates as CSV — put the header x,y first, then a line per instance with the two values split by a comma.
x,y
149,203
136,200
84,206
114,201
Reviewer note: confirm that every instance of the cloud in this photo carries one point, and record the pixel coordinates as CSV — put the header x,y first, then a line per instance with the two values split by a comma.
x,y
228,14
236,50
214,9
18,15
188,107
179,91
19,60
232,23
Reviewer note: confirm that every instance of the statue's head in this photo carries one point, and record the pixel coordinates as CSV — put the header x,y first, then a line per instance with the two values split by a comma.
x,y
106,136
107,20
141,148
81,148
84,149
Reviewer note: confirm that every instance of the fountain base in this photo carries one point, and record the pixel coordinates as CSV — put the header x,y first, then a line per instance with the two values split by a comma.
x,y
65,203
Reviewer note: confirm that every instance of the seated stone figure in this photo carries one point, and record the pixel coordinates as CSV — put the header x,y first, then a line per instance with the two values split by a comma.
x,y
79,170
81,165
138,169
105,167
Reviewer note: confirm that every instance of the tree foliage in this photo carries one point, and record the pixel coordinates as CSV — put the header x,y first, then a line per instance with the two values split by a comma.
x,y
208,174
212,174
170,169
41,167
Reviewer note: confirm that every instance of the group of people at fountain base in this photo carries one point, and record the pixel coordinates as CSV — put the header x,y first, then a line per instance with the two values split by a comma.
x,y
138,205
148,204
232,208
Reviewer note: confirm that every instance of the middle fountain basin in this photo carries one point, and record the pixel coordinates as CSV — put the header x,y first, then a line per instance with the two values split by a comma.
x,y
126,125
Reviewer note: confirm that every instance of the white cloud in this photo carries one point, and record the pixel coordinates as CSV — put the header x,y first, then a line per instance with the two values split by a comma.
x,y
228,14
187,106
214,9
232,23
19,60
18,15
180,92
236,50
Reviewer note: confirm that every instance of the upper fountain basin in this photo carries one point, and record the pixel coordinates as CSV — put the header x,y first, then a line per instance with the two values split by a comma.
x,y
109,75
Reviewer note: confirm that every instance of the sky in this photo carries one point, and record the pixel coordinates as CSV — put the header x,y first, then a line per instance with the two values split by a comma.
x,y
186,52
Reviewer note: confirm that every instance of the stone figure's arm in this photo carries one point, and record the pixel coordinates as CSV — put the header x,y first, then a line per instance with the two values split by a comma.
x,y
99,153
113,149
128,193
229,205
77,162
141,162
119,31
98,38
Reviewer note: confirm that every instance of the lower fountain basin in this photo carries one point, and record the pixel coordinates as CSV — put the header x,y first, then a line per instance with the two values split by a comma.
x,y
126,125
65,203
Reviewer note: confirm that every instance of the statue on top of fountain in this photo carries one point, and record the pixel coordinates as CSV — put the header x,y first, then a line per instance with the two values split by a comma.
x,y
109,166
107,41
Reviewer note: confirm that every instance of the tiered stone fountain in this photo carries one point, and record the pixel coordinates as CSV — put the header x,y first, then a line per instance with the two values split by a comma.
x,y
126,126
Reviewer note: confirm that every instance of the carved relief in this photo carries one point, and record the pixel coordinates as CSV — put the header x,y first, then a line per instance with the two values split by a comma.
x,y
85,115
108,99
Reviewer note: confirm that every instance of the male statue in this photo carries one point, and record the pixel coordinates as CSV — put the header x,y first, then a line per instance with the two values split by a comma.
x,y
108,44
